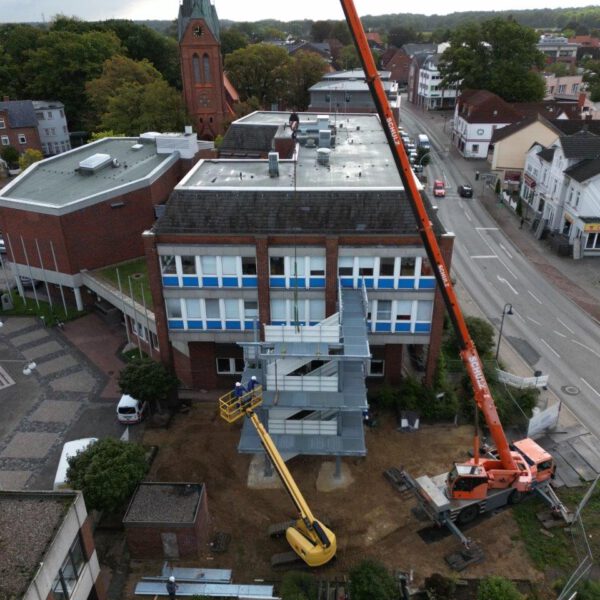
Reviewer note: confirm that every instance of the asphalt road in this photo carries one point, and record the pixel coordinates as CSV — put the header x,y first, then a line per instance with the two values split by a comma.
x,y
551,333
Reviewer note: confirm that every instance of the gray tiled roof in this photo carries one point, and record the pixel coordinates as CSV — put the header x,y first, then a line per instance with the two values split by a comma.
x,y
282,211
547,154
584,170
571,126
20,113
582,144
250,139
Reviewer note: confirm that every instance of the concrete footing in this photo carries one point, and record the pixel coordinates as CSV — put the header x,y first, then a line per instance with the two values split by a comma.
x,y
257,478
328,481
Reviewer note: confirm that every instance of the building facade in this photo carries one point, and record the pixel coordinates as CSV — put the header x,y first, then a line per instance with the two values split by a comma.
x,y
18,125
48,550
52,127
558,49
246,244
202,67
431,95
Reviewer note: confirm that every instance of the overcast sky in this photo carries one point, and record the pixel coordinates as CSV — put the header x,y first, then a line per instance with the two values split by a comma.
x,y
249,10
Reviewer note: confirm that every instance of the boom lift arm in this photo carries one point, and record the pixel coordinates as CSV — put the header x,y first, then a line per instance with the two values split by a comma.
x,y
312,541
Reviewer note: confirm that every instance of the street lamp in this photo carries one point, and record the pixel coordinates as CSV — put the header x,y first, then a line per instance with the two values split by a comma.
x,y
505,312
422,157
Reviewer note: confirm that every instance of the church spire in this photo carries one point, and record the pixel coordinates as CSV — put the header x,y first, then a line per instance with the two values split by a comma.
x,y
198,9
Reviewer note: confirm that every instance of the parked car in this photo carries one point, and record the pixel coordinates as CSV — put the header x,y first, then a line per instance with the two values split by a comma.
x,y
439,189
465,191
417,168
130,410
69,449
2,246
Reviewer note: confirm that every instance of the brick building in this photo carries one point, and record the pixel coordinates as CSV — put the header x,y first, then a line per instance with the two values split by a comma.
x,y
19,125
271,242
48,549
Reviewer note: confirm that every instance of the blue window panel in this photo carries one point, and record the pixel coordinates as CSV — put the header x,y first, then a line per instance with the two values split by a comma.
x,y
422,327
175,324
314,323
248,324
386,284
213,325
230,282
170,281
249,281
278,323
190,281
317,282
406,284
277,282
195,325
233,325
368,282
210,281
347,282
403,327
301,282
383,327
426,284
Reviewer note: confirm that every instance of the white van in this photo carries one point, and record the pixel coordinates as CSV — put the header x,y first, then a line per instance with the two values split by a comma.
x,y
130,410
69,449
423,142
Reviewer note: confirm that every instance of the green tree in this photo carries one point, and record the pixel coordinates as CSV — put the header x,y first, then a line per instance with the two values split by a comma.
x,y
498,588
348,58
232,39
370,579
106,133
29,157
498,55
260,70
147,380
305,70
340,32
298,586
482,334
107,473
16,42
591,76
400,35
320,31
11,155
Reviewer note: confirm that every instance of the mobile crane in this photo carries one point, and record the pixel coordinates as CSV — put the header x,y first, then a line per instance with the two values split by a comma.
x,y
310,539
512,470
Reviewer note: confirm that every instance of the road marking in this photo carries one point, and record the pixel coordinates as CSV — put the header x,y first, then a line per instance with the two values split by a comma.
x,y
565,326
559,333
550,347
587,348
493,249
518,315
508,284
5,379
484,256
486,229
591,388
534,321
534,297
468,217
505,250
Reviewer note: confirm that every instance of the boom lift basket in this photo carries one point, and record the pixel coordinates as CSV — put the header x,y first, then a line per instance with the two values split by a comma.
x,y
233,407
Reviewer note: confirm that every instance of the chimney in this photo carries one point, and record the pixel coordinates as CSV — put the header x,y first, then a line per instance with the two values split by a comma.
x,y
273,164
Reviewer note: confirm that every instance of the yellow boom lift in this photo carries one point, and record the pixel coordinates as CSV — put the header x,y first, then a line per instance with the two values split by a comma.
x,y
312,541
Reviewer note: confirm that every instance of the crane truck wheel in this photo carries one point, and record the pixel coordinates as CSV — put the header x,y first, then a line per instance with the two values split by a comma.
x,y
468,514
516,497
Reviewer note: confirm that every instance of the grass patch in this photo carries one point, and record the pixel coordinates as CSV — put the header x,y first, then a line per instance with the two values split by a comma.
x,y
558,552
28,308
135,271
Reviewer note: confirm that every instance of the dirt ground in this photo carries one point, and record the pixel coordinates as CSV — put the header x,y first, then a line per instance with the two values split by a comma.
x,y
369,517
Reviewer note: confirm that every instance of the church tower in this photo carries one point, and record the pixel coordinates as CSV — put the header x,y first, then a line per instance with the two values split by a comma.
x,y
202,67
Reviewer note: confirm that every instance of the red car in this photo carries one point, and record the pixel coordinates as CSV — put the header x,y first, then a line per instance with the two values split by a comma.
x,y
439,189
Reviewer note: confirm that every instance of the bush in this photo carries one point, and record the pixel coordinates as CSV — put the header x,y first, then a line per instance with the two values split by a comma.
x,y
29,157
10,155
440,587
107,473
298,586
369,580
498,588
482,334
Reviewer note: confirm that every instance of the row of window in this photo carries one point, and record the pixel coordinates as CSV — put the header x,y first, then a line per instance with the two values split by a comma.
x,y
69,572
211,313
52,130
400,316
55,147
6,141
407,272
50,115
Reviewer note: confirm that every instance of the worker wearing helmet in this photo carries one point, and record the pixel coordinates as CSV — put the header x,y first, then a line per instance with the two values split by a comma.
x,y
239,390
253,383
172,588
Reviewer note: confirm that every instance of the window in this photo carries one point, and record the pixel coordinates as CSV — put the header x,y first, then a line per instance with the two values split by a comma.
x,y
69,572
475,148
168,265
52,131
424,310
173,308
212,309
49,114
2,123
278,310
250,310
426,270
229,265
277,264
248,265
39,116
577,199
297,266
384,310
365,266
593,241
316,310
566,227
345,266
407,266
386,267
403,310
562,88
62,114
196,67
22,138
317,266
192,308
232,310
209,265
5,140
376,368
230,366
575,88
64,129
206,67
188,265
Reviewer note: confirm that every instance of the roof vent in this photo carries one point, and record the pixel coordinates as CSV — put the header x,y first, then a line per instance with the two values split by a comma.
x,y
273,164
137,147
323,155
115,163
325,138
310,142
94,163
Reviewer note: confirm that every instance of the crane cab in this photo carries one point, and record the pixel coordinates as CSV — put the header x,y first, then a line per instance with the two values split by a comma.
x,y
467,482
540,462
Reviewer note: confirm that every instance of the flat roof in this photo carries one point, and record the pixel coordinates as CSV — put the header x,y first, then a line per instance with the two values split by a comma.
x,y
28,524
175,503
361,159
354,74
353,85
54,186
